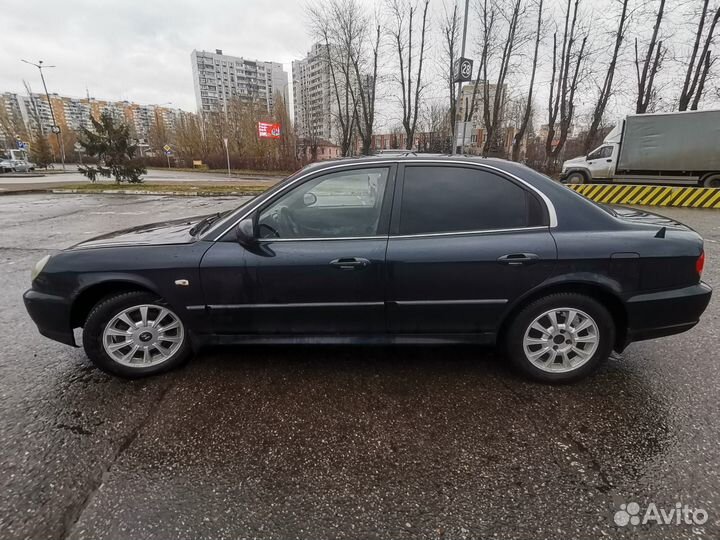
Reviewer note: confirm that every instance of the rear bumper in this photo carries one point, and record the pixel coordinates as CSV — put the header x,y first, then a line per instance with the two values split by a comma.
x,y
666,313
51,314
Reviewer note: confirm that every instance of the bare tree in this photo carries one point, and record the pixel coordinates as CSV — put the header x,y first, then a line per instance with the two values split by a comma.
x,y
650,66
337,56
311,138
401,30
563,83
698,68
606,89
339,64
286,145
451,35
355,31
525,120
11,126
487,14
493,116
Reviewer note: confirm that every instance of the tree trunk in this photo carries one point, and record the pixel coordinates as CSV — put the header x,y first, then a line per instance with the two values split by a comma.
x,y
651,64
606,90
696,73
520,135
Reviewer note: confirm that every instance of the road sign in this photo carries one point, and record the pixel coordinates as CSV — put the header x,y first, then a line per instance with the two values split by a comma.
x,y
77,146
55,129
168,153
268,131
463,69
167,148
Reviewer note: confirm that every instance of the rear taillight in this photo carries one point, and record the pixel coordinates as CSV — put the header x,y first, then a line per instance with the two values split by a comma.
x,y
700,263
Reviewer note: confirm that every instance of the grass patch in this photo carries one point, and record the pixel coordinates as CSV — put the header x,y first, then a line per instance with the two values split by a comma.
x,y
166,188
235,172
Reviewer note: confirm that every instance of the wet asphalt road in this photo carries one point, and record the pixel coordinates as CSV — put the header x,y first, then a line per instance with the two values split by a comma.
x,y
319,442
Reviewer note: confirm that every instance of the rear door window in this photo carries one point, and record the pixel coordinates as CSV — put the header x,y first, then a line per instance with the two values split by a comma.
x,y
443,199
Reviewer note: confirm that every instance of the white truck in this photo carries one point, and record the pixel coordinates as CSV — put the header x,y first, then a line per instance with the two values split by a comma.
x,y
663,148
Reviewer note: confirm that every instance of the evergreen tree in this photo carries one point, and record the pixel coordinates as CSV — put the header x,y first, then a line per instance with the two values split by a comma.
x,y
40,151
111,144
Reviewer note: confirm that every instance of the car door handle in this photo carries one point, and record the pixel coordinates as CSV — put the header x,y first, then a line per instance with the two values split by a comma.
x,y
517,259
350,263
609,160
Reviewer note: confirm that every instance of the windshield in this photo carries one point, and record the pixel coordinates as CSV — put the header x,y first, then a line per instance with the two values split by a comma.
x,y
228,218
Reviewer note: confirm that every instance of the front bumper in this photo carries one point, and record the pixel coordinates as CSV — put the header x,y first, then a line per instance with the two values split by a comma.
x,y
666,313
51,314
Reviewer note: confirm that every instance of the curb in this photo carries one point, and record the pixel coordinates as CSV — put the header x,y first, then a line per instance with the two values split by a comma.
x,y
141,192
22,191
686,197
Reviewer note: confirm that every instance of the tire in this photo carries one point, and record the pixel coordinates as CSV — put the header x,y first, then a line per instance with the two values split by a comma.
x,y
576,177
151,352
574,354
711,181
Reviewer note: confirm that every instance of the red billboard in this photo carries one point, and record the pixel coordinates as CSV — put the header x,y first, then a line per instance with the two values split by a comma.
x,y
268,131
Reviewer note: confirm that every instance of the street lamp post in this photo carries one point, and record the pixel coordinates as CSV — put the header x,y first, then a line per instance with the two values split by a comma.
x,y
55,128
227,155
459,90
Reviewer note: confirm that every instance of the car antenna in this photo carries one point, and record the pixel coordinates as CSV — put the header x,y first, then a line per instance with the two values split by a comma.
x,y
661,232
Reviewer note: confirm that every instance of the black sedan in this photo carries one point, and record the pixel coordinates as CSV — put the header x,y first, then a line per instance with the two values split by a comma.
x,y
400,249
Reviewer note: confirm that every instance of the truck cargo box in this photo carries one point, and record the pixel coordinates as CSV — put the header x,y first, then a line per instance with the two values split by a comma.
x,y
681,141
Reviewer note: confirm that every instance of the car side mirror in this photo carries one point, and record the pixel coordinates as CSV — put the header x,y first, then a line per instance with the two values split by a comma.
x,y
245,232
309,198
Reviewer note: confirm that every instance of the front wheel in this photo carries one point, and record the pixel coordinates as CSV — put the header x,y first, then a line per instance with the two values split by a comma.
x,y
575,178
135,334
560,338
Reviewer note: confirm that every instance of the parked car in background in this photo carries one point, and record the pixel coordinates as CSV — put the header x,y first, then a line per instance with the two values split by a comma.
x,y
383,250
6,166
20,165
671,148
16,165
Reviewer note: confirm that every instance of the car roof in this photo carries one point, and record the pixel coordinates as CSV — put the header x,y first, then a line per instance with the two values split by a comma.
x,y
406,155
578,212
509,167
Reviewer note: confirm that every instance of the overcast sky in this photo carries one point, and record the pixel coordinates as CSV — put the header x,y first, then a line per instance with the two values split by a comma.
x,y
139,50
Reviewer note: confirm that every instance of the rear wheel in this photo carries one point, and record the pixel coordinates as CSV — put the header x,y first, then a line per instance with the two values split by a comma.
x,y
135,334
711,181
560,338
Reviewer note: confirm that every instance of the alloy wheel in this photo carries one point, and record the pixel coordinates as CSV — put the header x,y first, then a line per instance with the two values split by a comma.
x,y
143,335
561,340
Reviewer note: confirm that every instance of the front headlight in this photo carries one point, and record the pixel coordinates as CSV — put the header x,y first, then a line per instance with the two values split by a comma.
x,y
39,267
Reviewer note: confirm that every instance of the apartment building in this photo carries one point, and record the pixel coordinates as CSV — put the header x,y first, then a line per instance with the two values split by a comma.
x,y
72,114
313,96
219,78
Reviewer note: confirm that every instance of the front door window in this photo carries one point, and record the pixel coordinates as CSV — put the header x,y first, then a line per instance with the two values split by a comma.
x,y
336,205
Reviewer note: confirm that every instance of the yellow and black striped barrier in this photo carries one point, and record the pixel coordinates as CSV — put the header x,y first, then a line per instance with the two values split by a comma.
x,y
690,197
